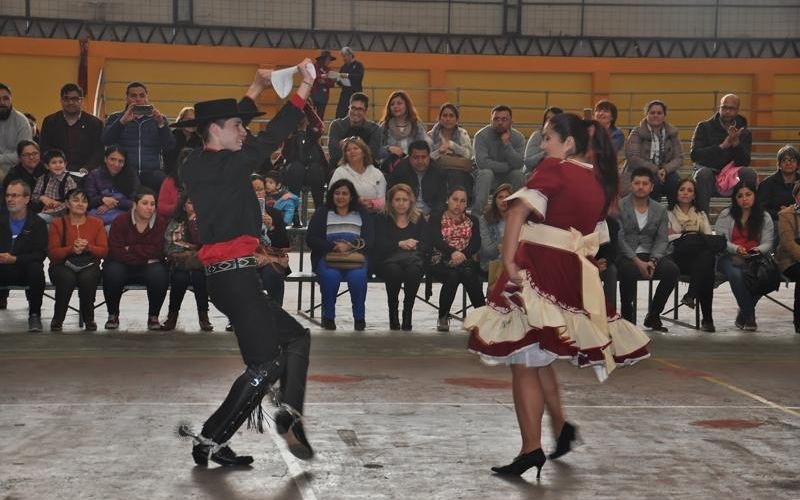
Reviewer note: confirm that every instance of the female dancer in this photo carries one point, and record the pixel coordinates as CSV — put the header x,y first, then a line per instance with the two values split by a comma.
x,y
536,313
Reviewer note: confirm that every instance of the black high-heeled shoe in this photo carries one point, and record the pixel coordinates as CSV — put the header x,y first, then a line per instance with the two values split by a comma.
x,y
224,456
568,435
522,463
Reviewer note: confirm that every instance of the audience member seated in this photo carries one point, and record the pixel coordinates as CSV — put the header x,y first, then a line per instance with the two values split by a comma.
x,y
452,148
775,192
693,250
74,132
186,138
498,157
181,243
51,188
399,252
273,259
400,126
787,256
110,187
606,260
356,166
30,166
280,198
748,230
605,112
305,163
643,242
492,224
35,134
76,244
23,246
142,132
533,149
14,127
655,145
341,226
136,256
425,178
355,124
455,239
722,139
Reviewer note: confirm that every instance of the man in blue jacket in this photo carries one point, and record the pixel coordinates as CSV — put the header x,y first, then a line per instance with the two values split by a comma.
x,y
142,131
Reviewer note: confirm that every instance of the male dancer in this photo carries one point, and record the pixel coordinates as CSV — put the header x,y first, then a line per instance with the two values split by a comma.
x,y
274,346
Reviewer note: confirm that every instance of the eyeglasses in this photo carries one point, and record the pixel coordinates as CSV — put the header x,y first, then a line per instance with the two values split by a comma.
x,y
30,155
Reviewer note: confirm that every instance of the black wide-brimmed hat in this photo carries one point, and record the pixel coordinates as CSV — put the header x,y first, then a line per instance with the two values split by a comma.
x,y
325,54
207,111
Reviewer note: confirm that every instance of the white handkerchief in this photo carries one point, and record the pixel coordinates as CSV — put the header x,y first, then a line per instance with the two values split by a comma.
x,y
311,70
282,81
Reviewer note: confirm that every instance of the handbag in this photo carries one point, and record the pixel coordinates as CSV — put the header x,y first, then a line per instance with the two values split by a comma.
x,y
75,262
694,243
727,178
453,162
761,275
404,258
351,259
276,257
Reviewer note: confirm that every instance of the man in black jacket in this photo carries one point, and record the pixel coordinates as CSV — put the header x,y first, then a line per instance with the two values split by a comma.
x,y
428,181
74,132
721,139
23,247
274,346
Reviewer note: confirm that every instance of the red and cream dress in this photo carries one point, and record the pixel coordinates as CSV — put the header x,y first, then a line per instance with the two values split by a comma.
x,y
560,310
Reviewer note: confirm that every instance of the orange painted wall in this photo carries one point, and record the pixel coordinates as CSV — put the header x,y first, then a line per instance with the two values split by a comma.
x,y
528,84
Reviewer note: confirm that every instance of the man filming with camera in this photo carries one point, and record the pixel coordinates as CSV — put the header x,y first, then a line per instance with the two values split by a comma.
x,y
142,132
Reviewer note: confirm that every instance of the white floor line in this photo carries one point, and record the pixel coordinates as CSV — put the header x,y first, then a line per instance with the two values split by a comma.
x,y
768,404
293,465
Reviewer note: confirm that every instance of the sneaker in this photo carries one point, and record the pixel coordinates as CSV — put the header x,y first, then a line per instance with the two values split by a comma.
x,y
90,325
328,324
113,322
153,323
290,427
360,325
707,325
55,326
653,322
34,323
750,325
443,325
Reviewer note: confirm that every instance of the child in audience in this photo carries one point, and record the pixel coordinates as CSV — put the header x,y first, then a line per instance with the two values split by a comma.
x,y
279,197
51,188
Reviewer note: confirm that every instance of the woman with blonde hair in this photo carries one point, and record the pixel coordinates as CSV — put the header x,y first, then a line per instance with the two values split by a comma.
x,y
400,252
356,166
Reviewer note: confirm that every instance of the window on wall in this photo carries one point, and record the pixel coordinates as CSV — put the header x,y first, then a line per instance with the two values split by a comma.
x,y
183,11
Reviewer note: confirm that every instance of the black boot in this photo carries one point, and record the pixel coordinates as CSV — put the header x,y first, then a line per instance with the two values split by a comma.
x,y
242,403
394,320
289,425
406,320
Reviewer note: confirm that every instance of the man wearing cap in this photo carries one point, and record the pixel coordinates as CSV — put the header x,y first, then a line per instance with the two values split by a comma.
x,y
322,84
274,346
351,74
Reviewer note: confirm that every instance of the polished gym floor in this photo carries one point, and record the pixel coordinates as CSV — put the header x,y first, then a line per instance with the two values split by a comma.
x,y
395,414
